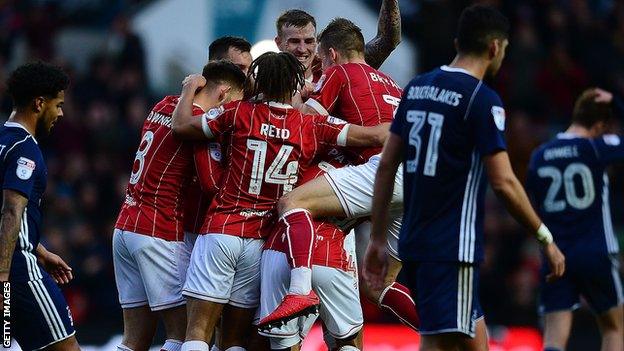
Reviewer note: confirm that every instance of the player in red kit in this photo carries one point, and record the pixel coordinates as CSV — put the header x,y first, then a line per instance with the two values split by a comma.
x,y
296,34
334,278
269,144
356,92
149,253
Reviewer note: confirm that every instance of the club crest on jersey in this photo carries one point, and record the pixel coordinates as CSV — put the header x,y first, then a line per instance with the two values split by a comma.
x,y
25,168
499,117
611,139
215,151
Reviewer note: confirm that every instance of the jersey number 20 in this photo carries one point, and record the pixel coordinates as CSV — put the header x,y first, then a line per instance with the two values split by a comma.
x,y
417,119
572,198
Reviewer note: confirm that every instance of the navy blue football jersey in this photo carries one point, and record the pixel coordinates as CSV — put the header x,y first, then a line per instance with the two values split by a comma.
x,y
448,120
23,170
569,186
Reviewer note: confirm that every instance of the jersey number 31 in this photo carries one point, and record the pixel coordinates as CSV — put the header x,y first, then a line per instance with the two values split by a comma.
x,y
418,119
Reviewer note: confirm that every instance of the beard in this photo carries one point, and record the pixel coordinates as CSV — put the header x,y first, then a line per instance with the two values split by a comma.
x,y
41,129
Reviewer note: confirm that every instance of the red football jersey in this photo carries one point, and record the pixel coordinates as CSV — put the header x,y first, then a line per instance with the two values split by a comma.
x,y
330,238
204,185
162,168
358,94
269,146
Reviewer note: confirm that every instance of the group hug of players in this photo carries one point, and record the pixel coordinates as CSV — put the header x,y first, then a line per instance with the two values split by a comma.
x,y
234,230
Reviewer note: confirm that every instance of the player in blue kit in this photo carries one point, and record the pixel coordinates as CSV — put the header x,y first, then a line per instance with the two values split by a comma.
x,y
40,317
570,188
448,132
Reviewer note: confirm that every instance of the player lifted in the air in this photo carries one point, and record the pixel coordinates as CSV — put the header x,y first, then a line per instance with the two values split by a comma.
x,y
269,144
40,317
448,133
359,94
149,252
569,185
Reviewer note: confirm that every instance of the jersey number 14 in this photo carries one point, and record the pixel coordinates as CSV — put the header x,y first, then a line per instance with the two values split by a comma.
x,y
273,174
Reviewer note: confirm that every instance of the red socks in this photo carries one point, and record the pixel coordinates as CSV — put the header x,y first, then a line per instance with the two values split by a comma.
x,y
396,299
299,237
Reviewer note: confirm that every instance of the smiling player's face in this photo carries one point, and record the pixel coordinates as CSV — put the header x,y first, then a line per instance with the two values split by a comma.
x,y
51,112
301,42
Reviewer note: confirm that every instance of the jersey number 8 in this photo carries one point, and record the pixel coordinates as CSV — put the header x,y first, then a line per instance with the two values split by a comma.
x,y
144,146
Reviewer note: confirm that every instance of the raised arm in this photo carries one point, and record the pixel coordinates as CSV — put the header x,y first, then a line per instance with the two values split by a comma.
x,y
508,188
375,262
13,205
184,124
388,34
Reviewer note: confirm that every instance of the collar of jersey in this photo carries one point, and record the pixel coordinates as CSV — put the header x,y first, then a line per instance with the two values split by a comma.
x,y
278,104
17,125
568,135
455,69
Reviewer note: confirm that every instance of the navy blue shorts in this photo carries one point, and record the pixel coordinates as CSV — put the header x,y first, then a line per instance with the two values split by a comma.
x,y
446,296
39,314
595,277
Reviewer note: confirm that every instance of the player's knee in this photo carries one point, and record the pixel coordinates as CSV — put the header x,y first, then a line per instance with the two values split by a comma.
x,y
611,321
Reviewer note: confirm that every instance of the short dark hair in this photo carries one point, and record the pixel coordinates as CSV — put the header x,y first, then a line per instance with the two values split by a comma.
x,y
223,71
296,18
478,26
342,35
36,79
276,76
588,112
218,49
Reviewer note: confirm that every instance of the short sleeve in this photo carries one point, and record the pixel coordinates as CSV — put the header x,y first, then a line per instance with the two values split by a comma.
x,y
487,121
207,157
609,148
327,91
218,121
19,167
330,131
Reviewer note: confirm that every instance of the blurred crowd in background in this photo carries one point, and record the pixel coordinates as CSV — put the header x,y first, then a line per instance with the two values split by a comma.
x,y
558,48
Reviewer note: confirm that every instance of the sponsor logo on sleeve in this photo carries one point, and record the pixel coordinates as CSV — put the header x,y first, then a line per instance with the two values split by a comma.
x,y
499,117
213,113
335,120
611,139
25,168
319,84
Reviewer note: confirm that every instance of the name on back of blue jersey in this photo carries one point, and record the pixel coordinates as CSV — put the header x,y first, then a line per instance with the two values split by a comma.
x,y
568,151
433,93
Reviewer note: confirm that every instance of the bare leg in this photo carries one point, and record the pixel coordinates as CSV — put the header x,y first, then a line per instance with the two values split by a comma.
x,y
611,324
69,344
202,317
480,341
557,329
235,327
441,342
316,196
394,267
139,327
175,322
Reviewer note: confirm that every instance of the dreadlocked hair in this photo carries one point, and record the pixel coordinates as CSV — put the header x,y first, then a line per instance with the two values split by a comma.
x,y
275,76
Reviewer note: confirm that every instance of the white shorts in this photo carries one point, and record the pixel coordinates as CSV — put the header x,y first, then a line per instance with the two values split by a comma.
x,y
338,291
225,269
149,271
353,185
